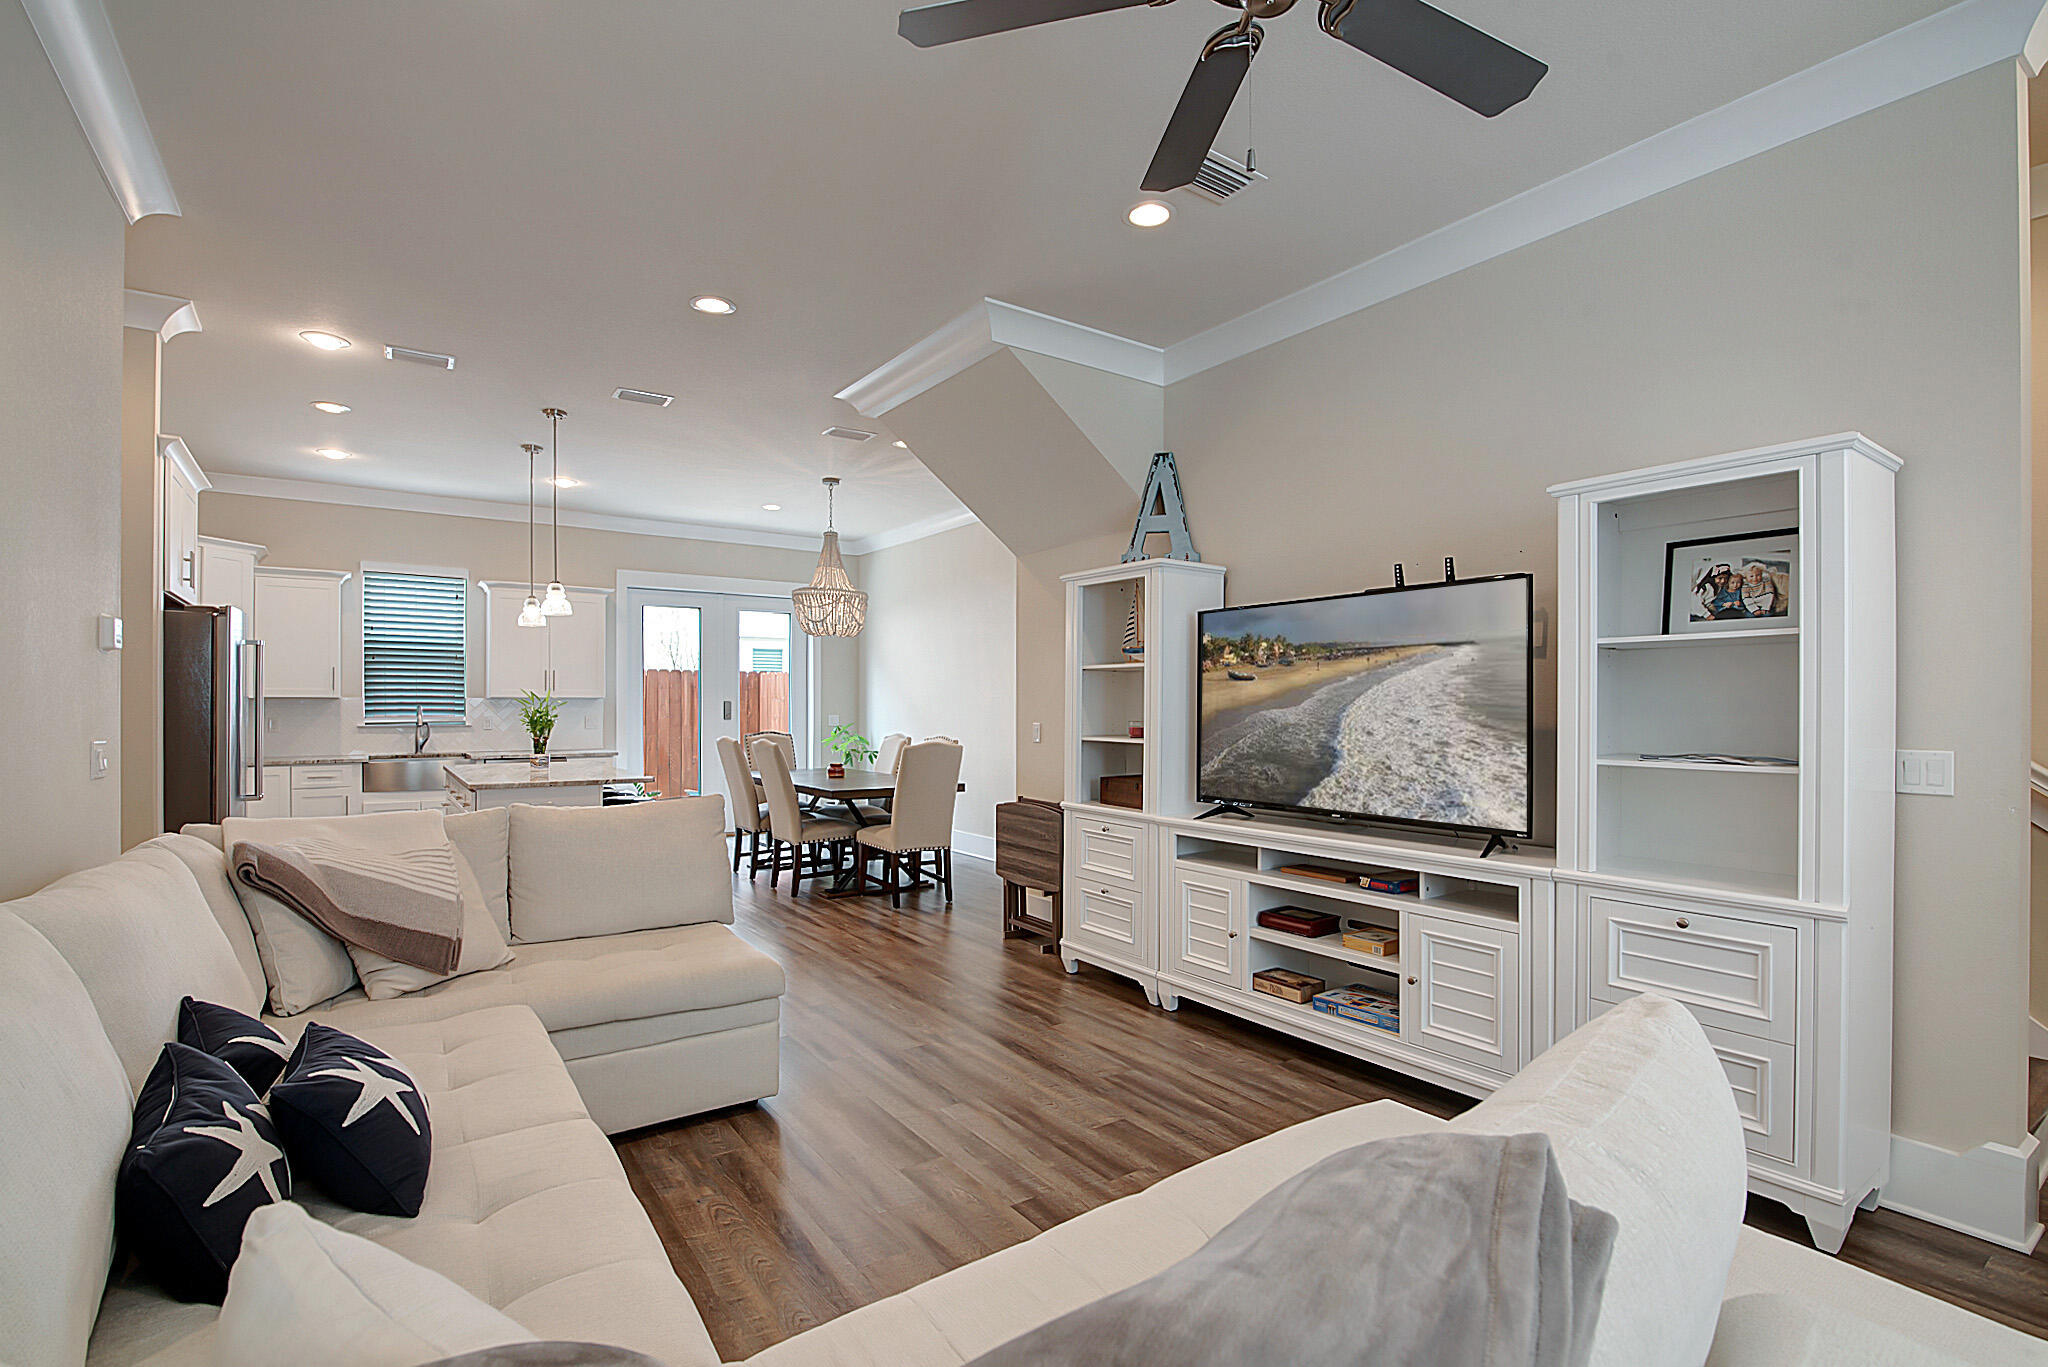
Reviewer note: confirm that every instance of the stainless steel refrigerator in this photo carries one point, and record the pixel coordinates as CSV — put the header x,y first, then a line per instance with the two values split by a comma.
x,y
213,716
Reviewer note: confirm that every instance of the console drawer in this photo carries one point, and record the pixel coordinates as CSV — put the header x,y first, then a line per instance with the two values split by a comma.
x,y
1735,974
1760,1075
325,778
1109,849
1107,913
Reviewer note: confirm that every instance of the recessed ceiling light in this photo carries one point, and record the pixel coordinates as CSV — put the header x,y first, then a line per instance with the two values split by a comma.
x,y
326,341
332,453
1149,214
711,303
900,445
563,482
329,406
771,507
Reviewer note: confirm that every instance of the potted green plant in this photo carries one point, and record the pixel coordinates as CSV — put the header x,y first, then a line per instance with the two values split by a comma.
x,y
851,747
539,711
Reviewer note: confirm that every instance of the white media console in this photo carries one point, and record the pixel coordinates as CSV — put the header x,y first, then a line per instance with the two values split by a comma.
x,y
1760,897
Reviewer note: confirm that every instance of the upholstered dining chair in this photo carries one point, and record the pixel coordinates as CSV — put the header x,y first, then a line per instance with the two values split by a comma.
x,y
921,822
749,817
814,843
755,742
889,751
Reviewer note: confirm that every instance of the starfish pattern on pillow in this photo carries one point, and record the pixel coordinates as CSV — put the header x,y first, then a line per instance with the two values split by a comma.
x,y
377,1088
255,1156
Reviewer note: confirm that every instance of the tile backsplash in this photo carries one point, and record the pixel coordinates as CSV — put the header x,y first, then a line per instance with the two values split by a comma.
x,y
329,726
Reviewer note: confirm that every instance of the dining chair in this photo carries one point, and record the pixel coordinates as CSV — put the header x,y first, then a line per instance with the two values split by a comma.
x,y
749,817
886,756
921,823
815,844
757,741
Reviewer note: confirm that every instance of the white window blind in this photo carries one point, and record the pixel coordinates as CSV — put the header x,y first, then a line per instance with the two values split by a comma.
x,y
415,645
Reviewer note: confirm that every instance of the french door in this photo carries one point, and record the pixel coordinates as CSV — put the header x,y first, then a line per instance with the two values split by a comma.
x,y
710,665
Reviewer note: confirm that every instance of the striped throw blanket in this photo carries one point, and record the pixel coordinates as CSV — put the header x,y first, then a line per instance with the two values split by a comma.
x,y
402,904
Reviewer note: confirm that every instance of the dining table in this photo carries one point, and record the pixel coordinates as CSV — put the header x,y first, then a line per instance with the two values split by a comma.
x,y
850,788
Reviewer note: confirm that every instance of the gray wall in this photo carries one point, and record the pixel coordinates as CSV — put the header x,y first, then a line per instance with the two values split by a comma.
x,y
60,426
1872,277
939,657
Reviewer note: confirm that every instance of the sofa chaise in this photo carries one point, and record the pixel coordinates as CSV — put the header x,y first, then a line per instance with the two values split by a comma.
x,y
528,1208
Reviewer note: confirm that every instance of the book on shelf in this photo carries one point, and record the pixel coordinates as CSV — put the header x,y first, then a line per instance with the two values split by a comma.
x,y
1299,921
1370,939
1318,872
1399,882
1287,985
1732,761
1367,1005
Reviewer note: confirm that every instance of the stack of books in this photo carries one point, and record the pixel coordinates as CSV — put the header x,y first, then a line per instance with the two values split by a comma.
x,y
1287,985
1399,882
1372,1006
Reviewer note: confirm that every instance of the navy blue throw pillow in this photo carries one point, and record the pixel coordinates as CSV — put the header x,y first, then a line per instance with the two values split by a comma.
x,y
242,1042
202,1158
354,1123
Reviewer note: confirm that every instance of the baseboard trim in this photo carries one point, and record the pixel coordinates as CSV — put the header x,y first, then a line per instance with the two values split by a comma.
x,y
1991,1192
982,847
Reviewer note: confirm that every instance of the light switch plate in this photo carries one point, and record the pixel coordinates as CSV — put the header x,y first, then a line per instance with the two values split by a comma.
x,y
1037,732
1931,773
102,752
110,631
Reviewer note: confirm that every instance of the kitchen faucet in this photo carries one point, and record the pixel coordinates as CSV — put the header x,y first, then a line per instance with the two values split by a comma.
x,y
422,729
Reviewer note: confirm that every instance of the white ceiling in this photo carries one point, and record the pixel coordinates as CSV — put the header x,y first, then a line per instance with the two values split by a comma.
x,y
539,188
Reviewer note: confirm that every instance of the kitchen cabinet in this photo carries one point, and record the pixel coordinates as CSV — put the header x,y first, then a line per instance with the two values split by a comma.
x,y
298,619
400,802
277,794
227,577
565,657
181,482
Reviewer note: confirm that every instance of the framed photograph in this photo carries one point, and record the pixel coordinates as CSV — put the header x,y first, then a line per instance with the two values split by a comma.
x,y
1732,583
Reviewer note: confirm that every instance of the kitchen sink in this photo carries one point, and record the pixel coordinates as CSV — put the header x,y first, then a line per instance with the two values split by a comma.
x,y
402,775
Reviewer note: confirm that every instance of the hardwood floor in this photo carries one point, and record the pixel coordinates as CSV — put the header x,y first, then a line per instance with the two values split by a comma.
x,y
944,1097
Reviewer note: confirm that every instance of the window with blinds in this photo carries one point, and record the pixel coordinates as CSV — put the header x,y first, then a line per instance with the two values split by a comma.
x,y
415,646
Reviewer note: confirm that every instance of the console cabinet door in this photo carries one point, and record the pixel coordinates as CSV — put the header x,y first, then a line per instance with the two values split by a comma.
x,y
1460,993
1205,929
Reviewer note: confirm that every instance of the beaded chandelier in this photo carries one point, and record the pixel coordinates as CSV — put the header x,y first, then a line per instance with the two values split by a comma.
x,y
830,605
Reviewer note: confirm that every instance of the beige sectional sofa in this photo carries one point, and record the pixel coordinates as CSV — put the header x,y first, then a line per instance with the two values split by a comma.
x,y
528,1208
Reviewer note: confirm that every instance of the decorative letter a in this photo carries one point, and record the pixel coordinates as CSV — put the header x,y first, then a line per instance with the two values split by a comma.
x,y
1162,511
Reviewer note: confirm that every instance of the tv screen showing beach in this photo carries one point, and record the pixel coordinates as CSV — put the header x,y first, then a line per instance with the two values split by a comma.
x,y
1405,705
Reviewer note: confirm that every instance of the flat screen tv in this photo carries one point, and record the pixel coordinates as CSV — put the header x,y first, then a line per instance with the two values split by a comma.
x,y
1410,705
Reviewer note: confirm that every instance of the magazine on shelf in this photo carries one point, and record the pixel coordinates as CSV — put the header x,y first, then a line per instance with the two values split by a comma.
x,y
1733,761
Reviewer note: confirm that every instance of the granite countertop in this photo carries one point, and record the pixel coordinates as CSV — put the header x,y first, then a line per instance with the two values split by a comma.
x,y
562,773
361,757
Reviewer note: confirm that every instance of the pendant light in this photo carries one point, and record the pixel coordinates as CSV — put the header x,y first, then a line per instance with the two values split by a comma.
x,y
529,616
830,605
556,604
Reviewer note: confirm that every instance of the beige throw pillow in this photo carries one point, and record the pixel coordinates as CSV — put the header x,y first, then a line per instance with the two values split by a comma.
x,y
310,1294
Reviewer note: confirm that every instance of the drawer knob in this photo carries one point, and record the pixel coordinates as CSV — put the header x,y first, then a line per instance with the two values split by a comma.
x,y
1412,980
1683,923
1233,935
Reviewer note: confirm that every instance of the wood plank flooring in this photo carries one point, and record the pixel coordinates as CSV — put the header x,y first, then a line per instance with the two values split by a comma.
x,y
944,1096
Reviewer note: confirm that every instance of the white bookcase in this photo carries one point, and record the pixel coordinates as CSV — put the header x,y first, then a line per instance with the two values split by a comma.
x,y
1761,897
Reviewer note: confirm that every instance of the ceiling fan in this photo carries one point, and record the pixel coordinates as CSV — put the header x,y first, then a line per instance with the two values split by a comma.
x,y
1448,55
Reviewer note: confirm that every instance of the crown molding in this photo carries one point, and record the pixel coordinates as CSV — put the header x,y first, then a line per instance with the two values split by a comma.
x,y
1931,52
980,333
79,39
174,450
164,314
911,531
393,500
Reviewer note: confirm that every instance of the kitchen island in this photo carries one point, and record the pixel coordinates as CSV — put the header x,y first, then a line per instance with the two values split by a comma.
x,y
564,783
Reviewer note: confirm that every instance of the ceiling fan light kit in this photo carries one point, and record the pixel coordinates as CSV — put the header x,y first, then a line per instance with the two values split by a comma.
x,y
1416,39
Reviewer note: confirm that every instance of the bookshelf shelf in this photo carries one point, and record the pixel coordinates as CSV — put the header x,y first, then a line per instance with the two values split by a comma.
x,y
1119,667
1701,638
1695,766
1327,947
1114,740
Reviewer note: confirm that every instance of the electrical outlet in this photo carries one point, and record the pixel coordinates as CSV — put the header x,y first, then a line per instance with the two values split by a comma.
x,y
1037,732
102,759
1931,773
832,719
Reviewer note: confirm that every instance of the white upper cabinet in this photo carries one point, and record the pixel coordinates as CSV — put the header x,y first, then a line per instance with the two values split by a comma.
x,y
298,619
182,481
565,657
227,577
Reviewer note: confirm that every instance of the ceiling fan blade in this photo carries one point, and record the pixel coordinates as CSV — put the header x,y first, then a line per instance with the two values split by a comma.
x,y
1199,115
1448,55
932,25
